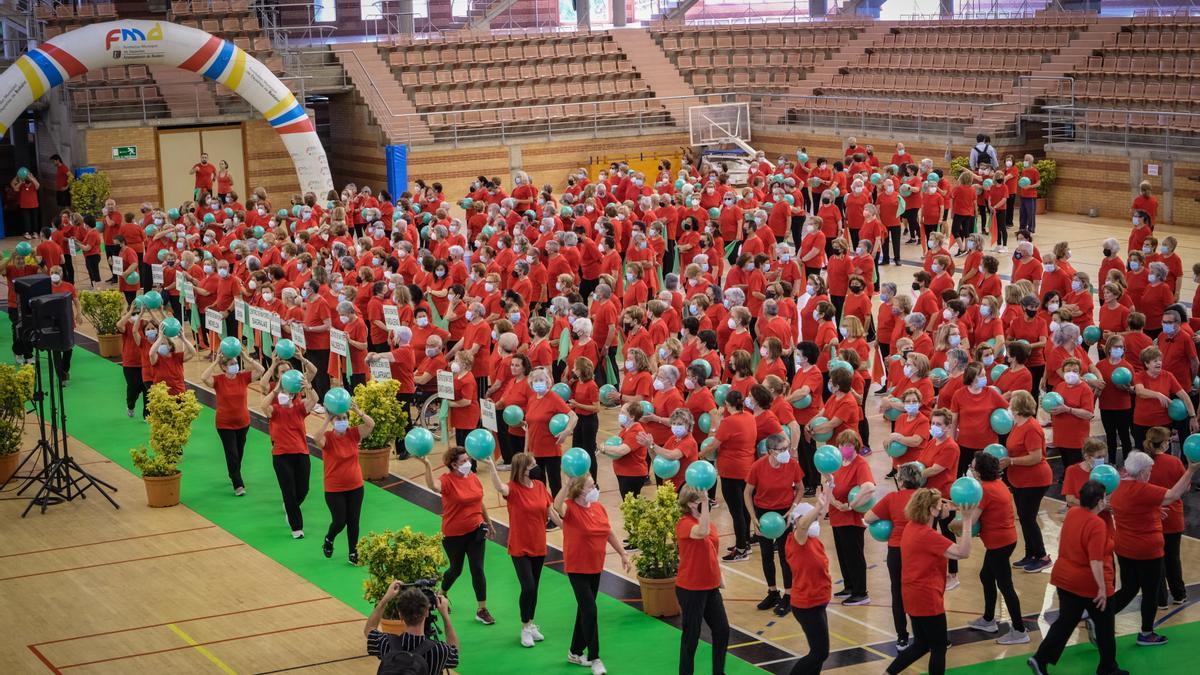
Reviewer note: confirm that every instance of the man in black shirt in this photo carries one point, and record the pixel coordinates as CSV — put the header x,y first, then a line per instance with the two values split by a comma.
x,y
413,608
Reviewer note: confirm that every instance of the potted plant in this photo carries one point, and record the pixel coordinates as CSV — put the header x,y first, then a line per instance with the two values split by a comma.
x,y
89,192
16,387
170,419
378,399
399,555
1048,171
104,309
651,527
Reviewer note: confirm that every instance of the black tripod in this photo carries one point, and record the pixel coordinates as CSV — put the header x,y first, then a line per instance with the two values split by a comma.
x,y
61,476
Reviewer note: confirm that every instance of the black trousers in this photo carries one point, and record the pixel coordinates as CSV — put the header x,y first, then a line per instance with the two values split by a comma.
x,y
1070,610
145,274
1010,207
586,634
815,625
68,268
319,359
1003,222
1028,501
233,442
912,219
529,575
552,472
944,528
92,263
1117,426
630,485
805,450
63,361
984,213
961,226
1172,569
509,444
734,492
1069,456
848,541
1036,373
707,607
929,637
893,236
769,548
29,220
996,573
134,388
292,470
895,566
1139,576
584,437
344,510
469,546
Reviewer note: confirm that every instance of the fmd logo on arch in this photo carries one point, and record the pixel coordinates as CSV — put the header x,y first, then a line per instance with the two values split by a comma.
x,y
131,35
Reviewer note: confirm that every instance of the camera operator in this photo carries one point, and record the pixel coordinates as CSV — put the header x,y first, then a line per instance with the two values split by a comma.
x,y
396,652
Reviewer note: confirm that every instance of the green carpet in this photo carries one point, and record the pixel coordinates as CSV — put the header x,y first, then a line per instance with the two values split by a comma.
x,y
1079,659
630,642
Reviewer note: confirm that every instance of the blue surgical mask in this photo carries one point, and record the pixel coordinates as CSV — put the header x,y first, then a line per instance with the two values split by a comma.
x,y
912,408
955,340
1170,328
1117,352
540,388
679,430
980,382
341,426
937,431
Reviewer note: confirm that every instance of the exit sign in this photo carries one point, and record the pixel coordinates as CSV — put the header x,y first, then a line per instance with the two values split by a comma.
x,y
124,152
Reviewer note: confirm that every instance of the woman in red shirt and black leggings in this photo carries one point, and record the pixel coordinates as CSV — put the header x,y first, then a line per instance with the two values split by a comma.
x,y
233,412
812,585
698,581
343,475
289,443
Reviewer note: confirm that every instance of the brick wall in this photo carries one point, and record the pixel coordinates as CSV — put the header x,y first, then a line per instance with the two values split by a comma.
x,y
268,163
1107,181
355,144
133,180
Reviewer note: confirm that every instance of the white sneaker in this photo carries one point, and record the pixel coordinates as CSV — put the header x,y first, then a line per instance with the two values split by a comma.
x,y
240,492
319,409
1013,637
1003,249
984,625
578,659
951,583
598,667
526,637
537,634
297,534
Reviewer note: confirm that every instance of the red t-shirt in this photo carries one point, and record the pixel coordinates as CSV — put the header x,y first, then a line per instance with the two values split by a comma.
x,y
849,476
1113,397
204,175
1166,473
315,315
996,515
891,507
632,463
1023,440
232,411
1136,509
169,369
585,532
288,436
844,408
1148,412
462,504
1070,431
737,437
1084,537
974,411
527,518
923,574
944,454
774,486
699,568
538,411
466,417
340,457
811,583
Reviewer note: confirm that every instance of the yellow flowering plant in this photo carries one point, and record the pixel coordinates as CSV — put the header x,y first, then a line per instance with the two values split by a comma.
x,y
103,309
651,527
16,388
398,555
170,419
378,399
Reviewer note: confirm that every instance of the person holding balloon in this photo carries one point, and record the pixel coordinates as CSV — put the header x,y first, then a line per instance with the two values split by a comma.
x,y
134,341
972,406
338,441
999,538
672,459
1166,472
940,457
811,586
529,506
466,525
841,411
628,454
1095,453
909,431
585,402
733,447
549,422
1137,506
233,413
166,357
286,406
773,487
886,522
1071,406
512,395
698,580
667,398
464,408
1029,476
1159,399
852,494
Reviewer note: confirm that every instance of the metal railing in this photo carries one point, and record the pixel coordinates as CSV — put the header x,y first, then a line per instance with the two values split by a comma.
x,y
1165,130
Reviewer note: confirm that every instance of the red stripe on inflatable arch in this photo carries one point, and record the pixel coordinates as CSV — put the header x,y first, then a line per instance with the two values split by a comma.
x,y
196,61
298,127
68,62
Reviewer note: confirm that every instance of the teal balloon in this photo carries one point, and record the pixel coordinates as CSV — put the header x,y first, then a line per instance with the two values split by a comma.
x,y
162,254
337,401
802,402
708,443
292,381
563,390
1106,475
1001,420
418,441
209,218
22,173
296,210
974,526
426,217
467,202
132,277
822,437
679,184
760,448
998,370
1090,378
480,444
839,364
876,179
259,231
966,491
939,374
1122,376
613,441
647,408
513,415
231,347
896,449
576,462
704,422
1024,182
173,213
880,530
772,525
701,475
285,349
714,213
1191,448
606,393
151,230
865,506
996,450
1051,400
665,468
1091,335
720,392
283,213
934,177
790,200
827,459
558,423
171,327
893,414
802,157
703,363
152,300
1176,410
987,183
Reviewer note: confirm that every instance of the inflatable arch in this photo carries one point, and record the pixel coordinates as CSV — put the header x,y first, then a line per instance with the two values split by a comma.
x,y
159,43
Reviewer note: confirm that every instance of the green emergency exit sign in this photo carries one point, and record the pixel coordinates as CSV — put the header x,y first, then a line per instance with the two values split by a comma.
x,y
124,152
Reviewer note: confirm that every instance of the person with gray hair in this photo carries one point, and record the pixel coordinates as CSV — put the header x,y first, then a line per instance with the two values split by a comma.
x,y
910,477
1136,507
356,338
734,297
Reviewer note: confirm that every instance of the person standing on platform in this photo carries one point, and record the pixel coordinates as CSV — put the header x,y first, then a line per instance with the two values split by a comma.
x,y
204,173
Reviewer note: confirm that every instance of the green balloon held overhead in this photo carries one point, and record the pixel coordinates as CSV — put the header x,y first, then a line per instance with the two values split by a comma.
x,y
162,254
337,400
285,349
418,441
292,381
152,300
231,347
480,444
24,248
171,327
576,462
22,173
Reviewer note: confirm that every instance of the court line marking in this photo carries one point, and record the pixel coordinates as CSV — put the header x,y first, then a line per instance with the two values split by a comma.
x,y
314,665
121,562
107,541
200,648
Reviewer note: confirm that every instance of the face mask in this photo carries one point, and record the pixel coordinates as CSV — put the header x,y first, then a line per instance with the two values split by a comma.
x,y
151,334
847,453
936,431
1152,278
679,430
659,385
1071,378
1008,163
623,419
223,273
55,278
463,469
1052,307
164,349
591,496
912,408
422,321
1170,328
783,458
980,382
937,269
1134,265
947,314
629,365
908,371
816,316
431,352
233,369
540,388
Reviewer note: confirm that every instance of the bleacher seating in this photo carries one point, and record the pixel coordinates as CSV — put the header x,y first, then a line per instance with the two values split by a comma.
x,y
61,17
1146,67
524,82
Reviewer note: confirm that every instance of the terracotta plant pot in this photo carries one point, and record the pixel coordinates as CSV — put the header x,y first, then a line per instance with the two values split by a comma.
x,y
8,466
658,597
110,345
1041,206
392,626
162,491
374,462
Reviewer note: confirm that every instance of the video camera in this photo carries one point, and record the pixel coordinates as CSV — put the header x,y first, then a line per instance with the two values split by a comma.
x,y
428,587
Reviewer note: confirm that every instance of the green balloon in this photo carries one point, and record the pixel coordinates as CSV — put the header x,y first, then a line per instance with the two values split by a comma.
x,y
772,525
576,462
480,444
720,392
665,468
152,300
513,415
292,381
171,327
558,423
563,391
285,349
418,441
24,248
231,347
337,401
704,422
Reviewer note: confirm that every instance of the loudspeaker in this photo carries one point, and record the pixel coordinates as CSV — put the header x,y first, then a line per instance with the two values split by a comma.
x,y
54,322
29,287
